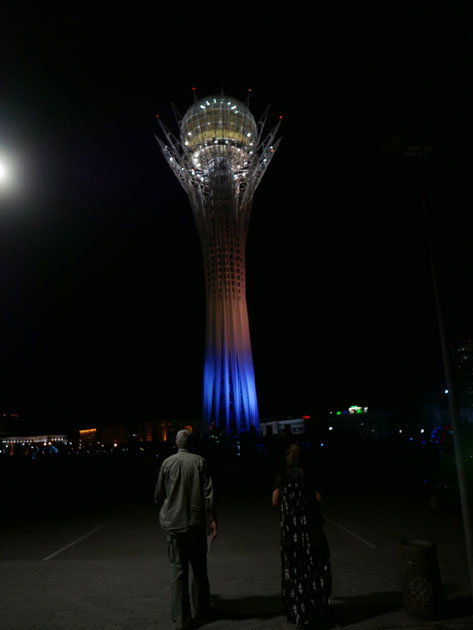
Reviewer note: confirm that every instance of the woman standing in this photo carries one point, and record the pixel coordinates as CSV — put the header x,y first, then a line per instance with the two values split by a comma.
x,y
305,557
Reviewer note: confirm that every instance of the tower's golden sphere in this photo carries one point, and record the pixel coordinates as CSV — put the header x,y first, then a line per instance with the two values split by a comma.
x,y
219,125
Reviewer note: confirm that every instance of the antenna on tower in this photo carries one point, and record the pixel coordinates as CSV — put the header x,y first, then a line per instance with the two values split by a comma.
x,y
262,123
247,102
176,114
194,89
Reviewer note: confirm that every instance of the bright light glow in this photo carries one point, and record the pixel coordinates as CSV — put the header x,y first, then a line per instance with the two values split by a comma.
x,y
355,409
7,174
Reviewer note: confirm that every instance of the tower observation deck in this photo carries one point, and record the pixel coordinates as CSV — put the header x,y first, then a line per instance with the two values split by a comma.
x,y
220,160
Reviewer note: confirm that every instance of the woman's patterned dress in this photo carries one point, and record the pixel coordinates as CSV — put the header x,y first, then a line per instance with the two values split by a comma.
x,y
305,556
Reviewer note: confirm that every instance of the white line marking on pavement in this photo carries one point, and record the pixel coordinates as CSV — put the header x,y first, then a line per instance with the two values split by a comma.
x,y
74,542
348,531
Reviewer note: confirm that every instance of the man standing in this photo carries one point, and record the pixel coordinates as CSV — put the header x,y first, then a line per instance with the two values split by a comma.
x,y
185,492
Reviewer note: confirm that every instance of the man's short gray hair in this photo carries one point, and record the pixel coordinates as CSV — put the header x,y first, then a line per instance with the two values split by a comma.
x,y
183,438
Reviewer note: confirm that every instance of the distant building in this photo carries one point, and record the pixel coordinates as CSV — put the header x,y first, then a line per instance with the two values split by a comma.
x,y
115,434
289,426
362,422
36,439
10,423
355,419
146,431
88,436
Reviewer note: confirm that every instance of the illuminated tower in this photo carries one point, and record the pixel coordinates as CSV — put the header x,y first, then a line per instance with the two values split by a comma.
x,y
220,160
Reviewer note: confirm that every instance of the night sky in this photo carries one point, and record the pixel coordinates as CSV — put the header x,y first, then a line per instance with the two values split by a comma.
x,y
102,304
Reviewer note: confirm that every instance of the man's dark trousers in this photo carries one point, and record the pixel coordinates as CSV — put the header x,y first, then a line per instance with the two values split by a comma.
x,y
184,549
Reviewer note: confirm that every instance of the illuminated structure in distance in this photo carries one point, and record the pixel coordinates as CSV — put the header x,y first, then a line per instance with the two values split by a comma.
x,y
219,160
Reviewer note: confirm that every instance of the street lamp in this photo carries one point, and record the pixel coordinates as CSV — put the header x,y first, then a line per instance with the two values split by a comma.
x,y
420,153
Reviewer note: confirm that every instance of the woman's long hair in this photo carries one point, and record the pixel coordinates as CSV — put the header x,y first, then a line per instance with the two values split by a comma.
x,y
294,455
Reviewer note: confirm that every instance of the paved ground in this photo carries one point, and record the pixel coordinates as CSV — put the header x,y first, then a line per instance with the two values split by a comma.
x,y
106,567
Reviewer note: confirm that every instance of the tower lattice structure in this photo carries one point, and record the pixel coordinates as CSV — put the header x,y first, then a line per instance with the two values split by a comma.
x,y
219,160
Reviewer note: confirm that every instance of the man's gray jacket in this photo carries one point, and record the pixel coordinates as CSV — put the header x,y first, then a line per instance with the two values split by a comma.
x,y
185,491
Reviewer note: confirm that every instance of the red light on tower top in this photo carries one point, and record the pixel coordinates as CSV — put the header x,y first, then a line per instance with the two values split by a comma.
x,y
194,89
